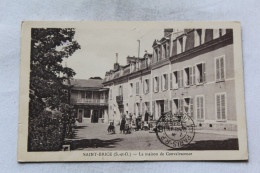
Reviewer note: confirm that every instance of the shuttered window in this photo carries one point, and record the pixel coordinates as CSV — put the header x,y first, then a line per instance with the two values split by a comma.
x,y
137,88
148,84
201,73
181,105
200,107
170,80
165,105
153,108
191,108
143,111
221,106
166,81
170,105
220,68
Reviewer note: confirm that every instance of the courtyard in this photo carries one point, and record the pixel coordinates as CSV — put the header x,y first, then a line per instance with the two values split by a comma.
x,y
94,136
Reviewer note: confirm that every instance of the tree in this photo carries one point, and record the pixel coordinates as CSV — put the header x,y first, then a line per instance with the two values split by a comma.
x,y
49,47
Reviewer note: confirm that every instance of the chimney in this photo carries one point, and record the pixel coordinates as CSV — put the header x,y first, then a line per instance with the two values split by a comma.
x,y
167,31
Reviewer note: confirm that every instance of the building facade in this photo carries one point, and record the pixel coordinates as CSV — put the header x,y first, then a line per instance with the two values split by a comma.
x,y
90,100
190,71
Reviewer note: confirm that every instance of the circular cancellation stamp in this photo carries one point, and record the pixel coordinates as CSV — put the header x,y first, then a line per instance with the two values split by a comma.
x,y
175,130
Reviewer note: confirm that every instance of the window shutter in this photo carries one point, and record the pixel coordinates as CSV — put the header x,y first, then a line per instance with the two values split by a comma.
x,y
153,108
193,74
162,83
217,69
165,105
218,107
190,75
201,108
148,84
191,107
166,82
158,82
204,72
153,86
143,108
181,78
170,80
180,105
223,106
178,79
170,106
222,68
144,87
198,108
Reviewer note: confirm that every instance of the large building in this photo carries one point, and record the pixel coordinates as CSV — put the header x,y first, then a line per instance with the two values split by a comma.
x,y
190,71
90,100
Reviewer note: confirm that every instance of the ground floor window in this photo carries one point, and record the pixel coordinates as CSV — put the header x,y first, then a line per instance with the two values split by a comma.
x,y
87,113
221,106
200,107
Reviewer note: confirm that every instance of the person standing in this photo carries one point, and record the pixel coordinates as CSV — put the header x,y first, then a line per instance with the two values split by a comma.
x,y
122,125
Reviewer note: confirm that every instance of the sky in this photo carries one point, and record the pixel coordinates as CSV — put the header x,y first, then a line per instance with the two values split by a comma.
x,y
101,41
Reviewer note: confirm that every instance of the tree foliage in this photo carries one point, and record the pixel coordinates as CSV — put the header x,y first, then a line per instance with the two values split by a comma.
x,y
49,48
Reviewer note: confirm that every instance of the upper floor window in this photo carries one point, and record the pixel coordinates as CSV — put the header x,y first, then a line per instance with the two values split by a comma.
x,y
200,73
175,80
164,51
146,84
220,68
156,84
110,94
164,82
131,88
180,45
137,88
120,90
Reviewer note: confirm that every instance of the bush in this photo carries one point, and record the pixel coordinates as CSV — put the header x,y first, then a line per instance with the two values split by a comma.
x,y
46,132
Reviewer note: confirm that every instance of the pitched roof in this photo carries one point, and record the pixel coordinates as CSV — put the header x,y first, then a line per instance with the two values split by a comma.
x,y
87,83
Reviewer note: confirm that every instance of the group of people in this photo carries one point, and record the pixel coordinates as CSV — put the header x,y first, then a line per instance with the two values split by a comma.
x,y
134,123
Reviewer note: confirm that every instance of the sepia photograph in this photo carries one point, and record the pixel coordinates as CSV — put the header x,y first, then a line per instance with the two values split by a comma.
x,y
131,91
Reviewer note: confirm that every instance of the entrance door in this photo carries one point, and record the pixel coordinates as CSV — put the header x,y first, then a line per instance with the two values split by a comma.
x,y
80,115
95,116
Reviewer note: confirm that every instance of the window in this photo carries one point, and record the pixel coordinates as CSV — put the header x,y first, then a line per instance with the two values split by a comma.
x,y
87,113
187,76
180,78
82,94
164,51
147,107
137,88
200,73
220,69
175,80
221,106
188,106
200,107
120,90
180,45
156,55
164,82
110,94
156,84
146,86
131,89
178,106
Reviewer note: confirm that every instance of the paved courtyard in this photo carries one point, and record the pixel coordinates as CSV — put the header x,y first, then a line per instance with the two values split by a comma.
x,y
94,136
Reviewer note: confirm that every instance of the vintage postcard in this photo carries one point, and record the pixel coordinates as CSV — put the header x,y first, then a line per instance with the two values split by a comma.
x,y
131,91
